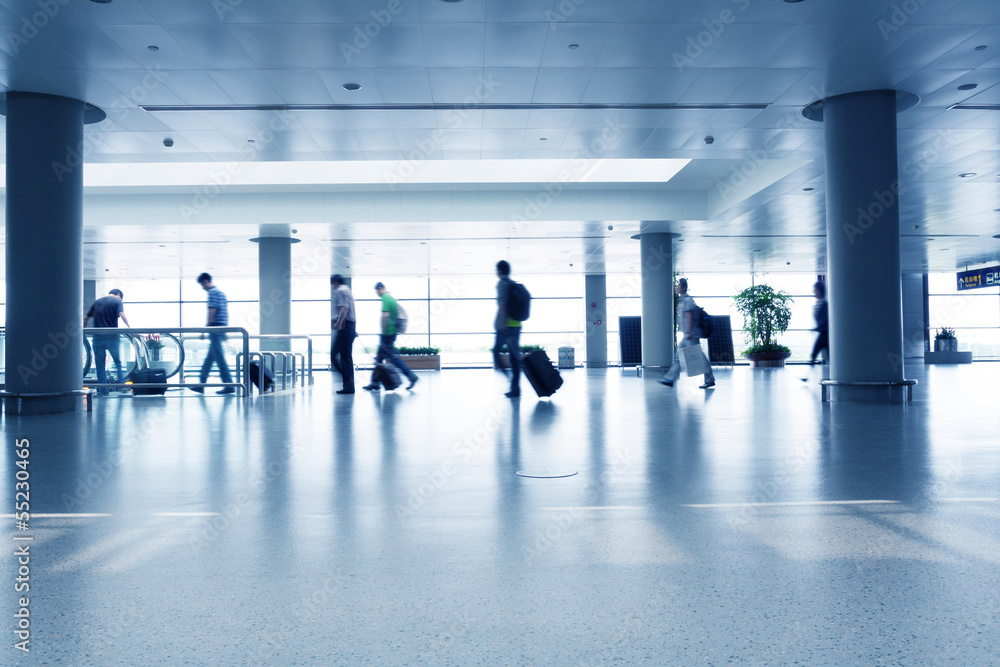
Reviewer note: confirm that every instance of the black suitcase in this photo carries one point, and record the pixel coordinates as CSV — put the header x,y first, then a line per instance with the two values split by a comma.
x,y
255,376
157,375
542,375
387,375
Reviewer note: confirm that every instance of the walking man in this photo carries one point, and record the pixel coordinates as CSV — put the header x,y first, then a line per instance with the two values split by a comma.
x,y
387,339
345,324
508,331
821,314
106,311
686,310
218,316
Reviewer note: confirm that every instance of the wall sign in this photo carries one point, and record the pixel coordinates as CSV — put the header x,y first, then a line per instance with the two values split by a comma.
x,y
979,278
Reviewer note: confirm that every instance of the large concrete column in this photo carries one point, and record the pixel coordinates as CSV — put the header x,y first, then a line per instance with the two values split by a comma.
x,y
866,328
44,351
657,299
596,306
274,275
914,326
89,294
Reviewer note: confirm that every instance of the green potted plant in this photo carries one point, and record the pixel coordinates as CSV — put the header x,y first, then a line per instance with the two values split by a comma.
x,y
154,345
766,314
421,358
945,340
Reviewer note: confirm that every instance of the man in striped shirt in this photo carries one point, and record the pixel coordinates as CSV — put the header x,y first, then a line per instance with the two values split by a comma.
x,y
218,316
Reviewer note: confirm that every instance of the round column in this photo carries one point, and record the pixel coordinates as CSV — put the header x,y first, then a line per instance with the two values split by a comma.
x,y
657,299
275,291
596,306
44,204
865,300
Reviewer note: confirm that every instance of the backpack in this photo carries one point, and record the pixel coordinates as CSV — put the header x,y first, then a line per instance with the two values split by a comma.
x,y
518,302
401,320
704,321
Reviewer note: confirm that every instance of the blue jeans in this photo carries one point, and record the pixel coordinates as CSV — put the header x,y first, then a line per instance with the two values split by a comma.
x,y
509,337
386,351
102,345
216,355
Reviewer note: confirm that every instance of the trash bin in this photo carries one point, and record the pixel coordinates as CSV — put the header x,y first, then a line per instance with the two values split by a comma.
x,y
567,357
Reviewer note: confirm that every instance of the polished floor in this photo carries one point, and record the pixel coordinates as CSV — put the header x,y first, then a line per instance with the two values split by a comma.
x,y
747,525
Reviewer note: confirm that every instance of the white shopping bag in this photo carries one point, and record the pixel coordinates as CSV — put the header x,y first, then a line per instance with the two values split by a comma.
x,y
693,361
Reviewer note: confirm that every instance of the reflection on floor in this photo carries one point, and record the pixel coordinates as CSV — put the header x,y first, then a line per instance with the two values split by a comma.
x,y
749,524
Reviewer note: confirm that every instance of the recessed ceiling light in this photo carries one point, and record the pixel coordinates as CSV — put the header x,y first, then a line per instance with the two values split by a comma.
x,y
981,47
251,141
574,46
968,174
968,86
543,138
808,189
357,86
153,47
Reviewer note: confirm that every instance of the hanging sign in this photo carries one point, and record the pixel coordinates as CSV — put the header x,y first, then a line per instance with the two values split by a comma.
x,y
979,278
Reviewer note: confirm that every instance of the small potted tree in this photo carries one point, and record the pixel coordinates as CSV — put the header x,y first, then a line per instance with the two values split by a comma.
x,y
153,345
945,340
766,314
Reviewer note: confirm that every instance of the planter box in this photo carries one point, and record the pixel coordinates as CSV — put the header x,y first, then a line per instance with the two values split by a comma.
x,y
943,357
422,362
768,359
946,345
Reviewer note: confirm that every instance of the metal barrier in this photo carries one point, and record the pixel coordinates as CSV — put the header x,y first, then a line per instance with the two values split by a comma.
x,y
293,365
183,333
88,395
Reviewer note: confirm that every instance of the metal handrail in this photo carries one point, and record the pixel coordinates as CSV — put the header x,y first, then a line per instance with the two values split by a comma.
x,y
87,393
308,365
182,332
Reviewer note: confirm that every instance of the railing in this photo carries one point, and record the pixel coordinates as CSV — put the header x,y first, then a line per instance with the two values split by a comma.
x,y
293,365
132,334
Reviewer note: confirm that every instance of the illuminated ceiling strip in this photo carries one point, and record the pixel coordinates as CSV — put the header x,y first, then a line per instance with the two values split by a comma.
x,y
596,508
485,106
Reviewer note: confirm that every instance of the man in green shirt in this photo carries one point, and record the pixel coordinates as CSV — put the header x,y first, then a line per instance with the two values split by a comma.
x,y
387,339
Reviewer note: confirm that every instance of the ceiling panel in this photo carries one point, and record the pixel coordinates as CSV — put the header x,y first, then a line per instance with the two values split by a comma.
x,y
517,52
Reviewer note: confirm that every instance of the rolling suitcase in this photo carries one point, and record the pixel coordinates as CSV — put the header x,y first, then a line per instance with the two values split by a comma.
x,y
542,375
255,376
387,376
157,375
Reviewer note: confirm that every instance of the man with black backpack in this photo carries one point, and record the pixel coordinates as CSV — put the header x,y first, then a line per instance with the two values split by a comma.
x,y
513,304
689,318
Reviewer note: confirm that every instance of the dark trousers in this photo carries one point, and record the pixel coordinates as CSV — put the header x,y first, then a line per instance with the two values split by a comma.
x,y
387,352
102,345
342,356
509,337
822,343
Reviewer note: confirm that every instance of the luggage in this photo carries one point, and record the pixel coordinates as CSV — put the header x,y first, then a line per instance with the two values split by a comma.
x,y
401,320
693,361
518,302
157,375
542,375
387,375
255,376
